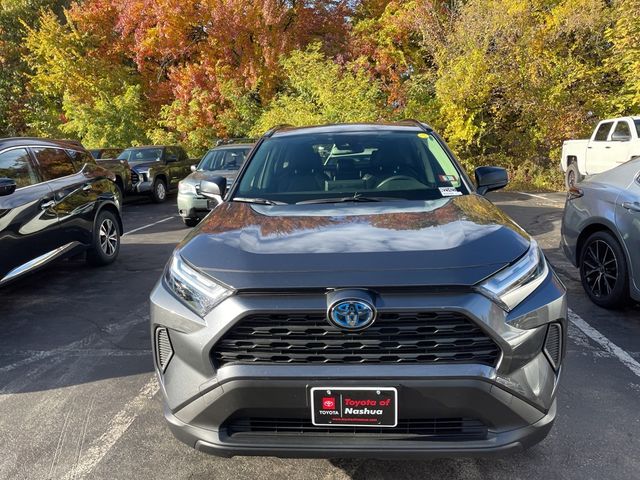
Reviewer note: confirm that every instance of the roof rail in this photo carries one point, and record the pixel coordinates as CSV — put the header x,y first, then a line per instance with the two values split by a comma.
x,y
273,130
418,123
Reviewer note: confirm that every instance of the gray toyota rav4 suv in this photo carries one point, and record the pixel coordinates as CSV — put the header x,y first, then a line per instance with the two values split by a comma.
x,y
355,295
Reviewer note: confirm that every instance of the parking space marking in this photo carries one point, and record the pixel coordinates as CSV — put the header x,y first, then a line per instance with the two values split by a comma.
x,y
556,202
605,343
149,225
118,425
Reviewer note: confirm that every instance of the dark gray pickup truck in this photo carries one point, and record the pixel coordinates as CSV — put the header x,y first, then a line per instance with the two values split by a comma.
x,y
106,158
156,169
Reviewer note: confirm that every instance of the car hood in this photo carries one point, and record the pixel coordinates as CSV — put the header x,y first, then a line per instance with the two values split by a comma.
x,y
144,166
196,177
452,241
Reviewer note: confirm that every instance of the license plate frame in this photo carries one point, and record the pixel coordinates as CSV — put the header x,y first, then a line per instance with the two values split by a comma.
x,y
347,400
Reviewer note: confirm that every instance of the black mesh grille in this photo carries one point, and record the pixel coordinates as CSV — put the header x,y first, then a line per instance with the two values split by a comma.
x,y
163,348
408,337
553,344
135,178
421,429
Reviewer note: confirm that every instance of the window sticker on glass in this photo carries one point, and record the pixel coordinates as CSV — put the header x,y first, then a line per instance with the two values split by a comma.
x,y
423,135
448,178
449,192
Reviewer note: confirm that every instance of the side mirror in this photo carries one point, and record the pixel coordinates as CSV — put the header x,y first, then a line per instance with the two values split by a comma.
x,y
214,188
194,168
7,186
620,137
490,178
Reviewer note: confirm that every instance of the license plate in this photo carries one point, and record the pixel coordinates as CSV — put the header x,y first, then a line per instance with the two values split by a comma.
x,y
355,406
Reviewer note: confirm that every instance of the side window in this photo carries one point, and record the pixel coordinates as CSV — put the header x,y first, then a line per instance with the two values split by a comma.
x,y
622,129
80,159
172,154
603,132
54,162
16,164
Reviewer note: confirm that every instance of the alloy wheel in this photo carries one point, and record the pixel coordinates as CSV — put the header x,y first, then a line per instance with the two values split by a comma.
x,y
600,268
108,237
571,178
161,191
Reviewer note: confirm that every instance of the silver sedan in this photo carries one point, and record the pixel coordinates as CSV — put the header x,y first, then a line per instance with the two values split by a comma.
x,y
601,234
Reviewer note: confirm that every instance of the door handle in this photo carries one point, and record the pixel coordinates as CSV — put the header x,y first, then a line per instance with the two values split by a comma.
x,y
632,207
47,204
607,146
86,187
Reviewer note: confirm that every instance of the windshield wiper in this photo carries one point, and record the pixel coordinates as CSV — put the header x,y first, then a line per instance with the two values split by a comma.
x,y
259,201
355,198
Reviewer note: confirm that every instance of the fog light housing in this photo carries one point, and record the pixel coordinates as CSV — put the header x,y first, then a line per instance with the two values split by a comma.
x,y
164,350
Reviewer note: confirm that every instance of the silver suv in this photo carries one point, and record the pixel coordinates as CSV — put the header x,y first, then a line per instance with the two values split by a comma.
x,y
356,296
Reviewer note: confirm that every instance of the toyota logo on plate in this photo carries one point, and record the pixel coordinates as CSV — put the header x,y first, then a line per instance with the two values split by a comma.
x,y
352,314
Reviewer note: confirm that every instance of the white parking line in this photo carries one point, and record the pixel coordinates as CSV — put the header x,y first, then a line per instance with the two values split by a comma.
x,y
118,425
147,226
540,197
604,342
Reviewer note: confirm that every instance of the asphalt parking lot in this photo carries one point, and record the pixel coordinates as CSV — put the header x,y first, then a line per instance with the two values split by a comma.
x,y
78,397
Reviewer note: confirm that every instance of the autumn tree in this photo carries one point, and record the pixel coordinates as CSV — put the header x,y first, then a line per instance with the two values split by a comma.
x,y
100,100
517,78
317,91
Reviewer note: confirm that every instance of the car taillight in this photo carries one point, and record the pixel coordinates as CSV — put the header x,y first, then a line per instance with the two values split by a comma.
x,y
574,192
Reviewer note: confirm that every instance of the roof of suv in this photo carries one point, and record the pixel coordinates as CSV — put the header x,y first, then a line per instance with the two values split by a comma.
x,y
35,141
405,125
232,145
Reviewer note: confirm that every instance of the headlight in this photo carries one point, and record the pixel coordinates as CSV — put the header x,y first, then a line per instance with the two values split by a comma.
x,y
143,174
186,187
514,283
197,291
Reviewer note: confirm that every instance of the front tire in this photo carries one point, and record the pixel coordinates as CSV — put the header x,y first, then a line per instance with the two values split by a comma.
x,y
159,191
106,240
573,176
604,272
190,222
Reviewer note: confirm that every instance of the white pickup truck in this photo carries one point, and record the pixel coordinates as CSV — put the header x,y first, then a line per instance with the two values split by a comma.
x,y
613,142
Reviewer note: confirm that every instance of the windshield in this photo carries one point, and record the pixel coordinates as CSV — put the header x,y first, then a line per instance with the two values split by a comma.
x,y
137,155
382,164
224,159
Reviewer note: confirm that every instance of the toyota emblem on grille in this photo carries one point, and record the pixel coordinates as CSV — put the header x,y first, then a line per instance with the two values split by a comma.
x,y
352,314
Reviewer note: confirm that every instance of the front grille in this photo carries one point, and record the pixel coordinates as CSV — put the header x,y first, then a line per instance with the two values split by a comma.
x,y
135,178
416,429
394,338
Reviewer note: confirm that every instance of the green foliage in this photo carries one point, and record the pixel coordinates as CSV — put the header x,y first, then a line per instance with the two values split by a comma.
x,y
625,56
101,104
317,90
14,94
108,120
517,78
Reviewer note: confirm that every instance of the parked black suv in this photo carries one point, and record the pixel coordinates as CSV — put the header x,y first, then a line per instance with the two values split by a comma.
x,y
156,169
54,201
356,295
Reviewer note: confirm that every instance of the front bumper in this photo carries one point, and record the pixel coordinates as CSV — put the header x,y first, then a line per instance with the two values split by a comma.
x,y
190,206
515,400
444,398
142,187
